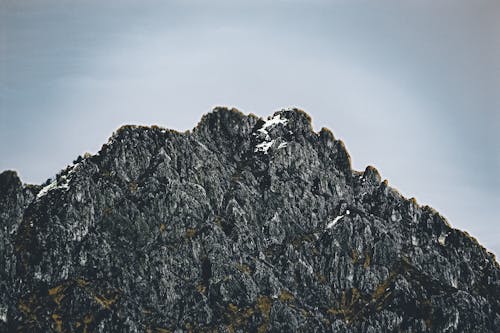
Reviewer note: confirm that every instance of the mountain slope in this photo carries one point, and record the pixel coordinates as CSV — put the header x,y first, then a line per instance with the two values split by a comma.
x,y
238,225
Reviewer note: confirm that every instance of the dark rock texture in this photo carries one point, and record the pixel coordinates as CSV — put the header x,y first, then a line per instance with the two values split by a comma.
x,y
241,225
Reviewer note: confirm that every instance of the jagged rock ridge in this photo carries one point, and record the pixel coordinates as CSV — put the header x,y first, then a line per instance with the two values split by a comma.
x,y
240,225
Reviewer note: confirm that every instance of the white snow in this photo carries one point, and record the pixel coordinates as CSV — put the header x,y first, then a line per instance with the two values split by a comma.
x,y
335,220
46,189
264,146
276,217
267,143
274,121
263,131
53,186
442,239
271,122
394,218
3,313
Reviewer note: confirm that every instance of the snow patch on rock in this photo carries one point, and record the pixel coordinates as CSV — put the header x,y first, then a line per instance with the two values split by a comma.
x,y
61,183
52,186
3,313
335,220
268,142
264,146
274,121
442,239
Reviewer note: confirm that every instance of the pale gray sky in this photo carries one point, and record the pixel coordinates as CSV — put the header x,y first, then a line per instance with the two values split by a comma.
x,y
412,87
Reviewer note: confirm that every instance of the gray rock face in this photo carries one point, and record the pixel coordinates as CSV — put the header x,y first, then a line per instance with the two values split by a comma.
x,y
240,225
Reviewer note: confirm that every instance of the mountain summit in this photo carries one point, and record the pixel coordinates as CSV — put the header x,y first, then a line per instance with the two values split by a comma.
x,y
240,225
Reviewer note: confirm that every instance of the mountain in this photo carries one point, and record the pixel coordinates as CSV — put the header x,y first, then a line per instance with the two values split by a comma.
x,y
240,225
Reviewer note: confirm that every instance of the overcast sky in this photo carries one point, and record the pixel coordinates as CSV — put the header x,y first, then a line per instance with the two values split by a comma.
x,y
412,87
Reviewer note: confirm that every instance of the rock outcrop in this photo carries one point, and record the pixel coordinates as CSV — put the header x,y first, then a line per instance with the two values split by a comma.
x,y
240,225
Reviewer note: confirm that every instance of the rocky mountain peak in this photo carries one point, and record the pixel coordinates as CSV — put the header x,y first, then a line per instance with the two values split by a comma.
x,y
242,224
9,179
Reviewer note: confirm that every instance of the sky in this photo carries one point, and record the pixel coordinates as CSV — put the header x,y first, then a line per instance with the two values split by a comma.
x,y
411,87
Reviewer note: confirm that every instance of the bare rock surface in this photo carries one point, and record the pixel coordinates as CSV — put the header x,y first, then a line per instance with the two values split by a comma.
x,y
240,225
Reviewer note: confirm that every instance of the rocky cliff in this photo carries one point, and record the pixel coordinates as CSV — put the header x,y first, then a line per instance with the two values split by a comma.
x,y
240,225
